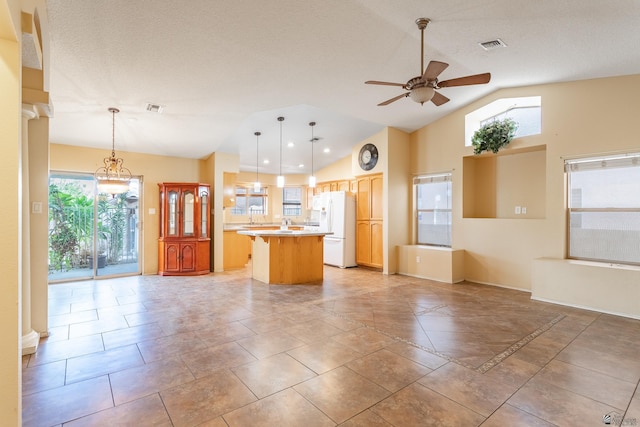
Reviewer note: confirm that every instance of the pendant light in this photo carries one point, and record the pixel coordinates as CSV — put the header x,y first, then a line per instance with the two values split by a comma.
x,y
113,178
280,178
256,185
312,178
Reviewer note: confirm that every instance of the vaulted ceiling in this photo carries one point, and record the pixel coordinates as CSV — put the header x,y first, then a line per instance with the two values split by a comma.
x,y
225,69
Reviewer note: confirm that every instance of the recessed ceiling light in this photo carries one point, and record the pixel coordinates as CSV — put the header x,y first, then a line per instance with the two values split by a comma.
x,y
326,150
291,144
300,165
265,161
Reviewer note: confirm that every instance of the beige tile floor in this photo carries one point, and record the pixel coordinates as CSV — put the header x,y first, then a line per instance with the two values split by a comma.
x,y
363,349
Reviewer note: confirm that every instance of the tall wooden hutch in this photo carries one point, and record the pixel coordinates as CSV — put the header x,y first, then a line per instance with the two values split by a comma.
x,y
185,241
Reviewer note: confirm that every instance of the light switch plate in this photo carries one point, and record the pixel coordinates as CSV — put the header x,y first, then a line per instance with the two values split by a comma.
x,y
36,207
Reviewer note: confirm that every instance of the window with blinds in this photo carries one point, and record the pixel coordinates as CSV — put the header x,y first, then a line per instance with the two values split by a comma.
x,y
433,209
292,201
604,208
250,202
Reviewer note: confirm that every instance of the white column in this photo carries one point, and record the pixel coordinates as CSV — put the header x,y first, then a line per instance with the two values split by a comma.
x,y
30,338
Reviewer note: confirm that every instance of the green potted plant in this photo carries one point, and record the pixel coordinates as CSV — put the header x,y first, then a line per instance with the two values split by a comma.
x,y
494,135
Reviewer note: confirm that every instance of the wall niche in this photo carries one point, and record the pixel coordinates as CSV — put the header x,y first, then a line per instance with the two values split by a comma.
x,y
509,184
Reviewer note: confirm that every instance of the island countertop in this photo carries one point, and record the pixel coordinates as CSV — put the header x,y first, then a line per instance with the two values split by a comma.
x,y
283,233
286,256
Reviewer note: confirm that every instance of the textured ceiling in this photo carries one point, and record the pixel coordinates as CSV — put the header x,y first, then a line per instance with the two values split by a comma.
x,y
227,68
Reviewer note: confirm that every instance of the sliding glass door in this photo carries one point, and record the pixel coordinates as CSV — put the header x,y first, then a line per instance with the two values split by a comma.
x,y
90,234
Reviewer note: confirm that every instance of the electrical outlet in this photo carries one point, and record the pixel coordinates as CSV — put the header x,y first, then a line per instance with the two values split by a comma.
x,y
417,259
518,210
524,210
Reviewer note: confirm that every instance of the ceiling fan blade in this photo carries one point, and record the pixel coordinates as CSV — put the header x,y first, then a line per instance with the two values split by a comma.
x,y
375,82
395,98
476,79
433,70
439,99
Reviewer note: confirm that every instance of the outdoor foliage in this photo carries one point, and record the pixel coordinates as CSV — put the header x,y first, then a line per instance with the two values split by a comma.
x,y
71,222
63,240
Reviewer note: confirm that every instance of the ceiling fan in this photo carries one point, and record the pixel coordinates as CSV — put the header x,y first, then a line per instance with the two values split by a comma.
x,y
423,88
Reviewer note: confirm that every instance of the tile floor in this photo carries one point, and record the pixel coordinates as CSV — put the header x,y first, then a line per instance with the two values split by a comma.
x,y
363,349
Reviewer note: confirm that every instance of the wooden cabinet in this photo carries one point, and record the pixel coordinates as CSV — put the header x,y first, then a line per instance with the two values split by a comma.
x,y
310,194
376,197
363,194
179,257
184,245
369,193
369,221
376,243
237,249
342,185
369,243
229,189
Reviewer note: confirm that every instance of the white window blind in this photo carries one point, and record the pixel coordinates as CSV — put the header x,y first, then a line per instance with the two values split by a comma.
x,y
604,208
433,209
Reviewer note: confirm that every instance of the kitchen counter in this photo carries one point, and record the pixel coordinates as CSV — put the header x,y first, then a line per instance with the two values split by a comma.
x,y
286,256
258,226
282,233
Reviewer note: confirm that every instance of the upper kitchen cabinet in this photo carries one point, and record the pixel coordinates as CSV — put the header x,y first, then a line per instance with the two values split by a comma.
x,y
185,241
369,193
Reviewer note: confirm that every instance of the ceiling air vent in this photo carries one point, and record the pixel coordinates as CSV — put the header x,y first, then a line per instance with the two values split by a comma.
x,y
154,108
493,44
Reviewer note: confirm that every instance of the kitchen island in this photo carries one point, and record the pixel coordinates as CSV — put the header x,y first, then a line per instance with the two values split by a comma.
x,y
286,257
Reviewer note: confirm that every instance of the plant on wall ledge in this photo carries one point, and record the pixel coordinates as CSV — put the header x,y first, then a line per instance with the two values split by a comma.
x,y
494,135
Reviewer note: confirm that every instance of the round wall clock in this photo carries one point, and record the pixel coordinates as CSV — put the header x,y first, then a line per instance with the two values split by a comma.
x,y
368,157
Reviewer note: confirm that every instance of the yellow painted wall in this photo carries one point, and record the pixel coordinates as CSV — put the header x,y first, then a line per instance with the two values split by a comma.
x,y
433,263
153,169
39,192
516,186
501,250
10,227
216,165
336,171
397,194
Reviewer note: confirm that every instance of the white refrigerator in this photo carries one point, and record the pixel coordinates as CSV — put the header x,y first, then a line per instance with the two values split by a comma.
x,y
336,213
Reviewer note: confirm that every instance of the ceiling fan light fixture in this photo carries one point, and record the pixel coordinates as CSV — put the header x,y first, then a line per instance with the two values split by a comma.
x,y
422,94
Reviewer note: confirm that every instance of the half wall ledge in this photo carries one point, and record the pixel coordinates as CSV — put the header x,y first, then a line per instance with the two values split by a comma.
x,y
604,287
431,262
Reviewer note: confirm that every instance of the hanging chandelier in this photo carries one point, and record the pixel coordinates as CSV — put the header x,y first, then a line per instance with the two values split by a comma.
x,y
113,178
